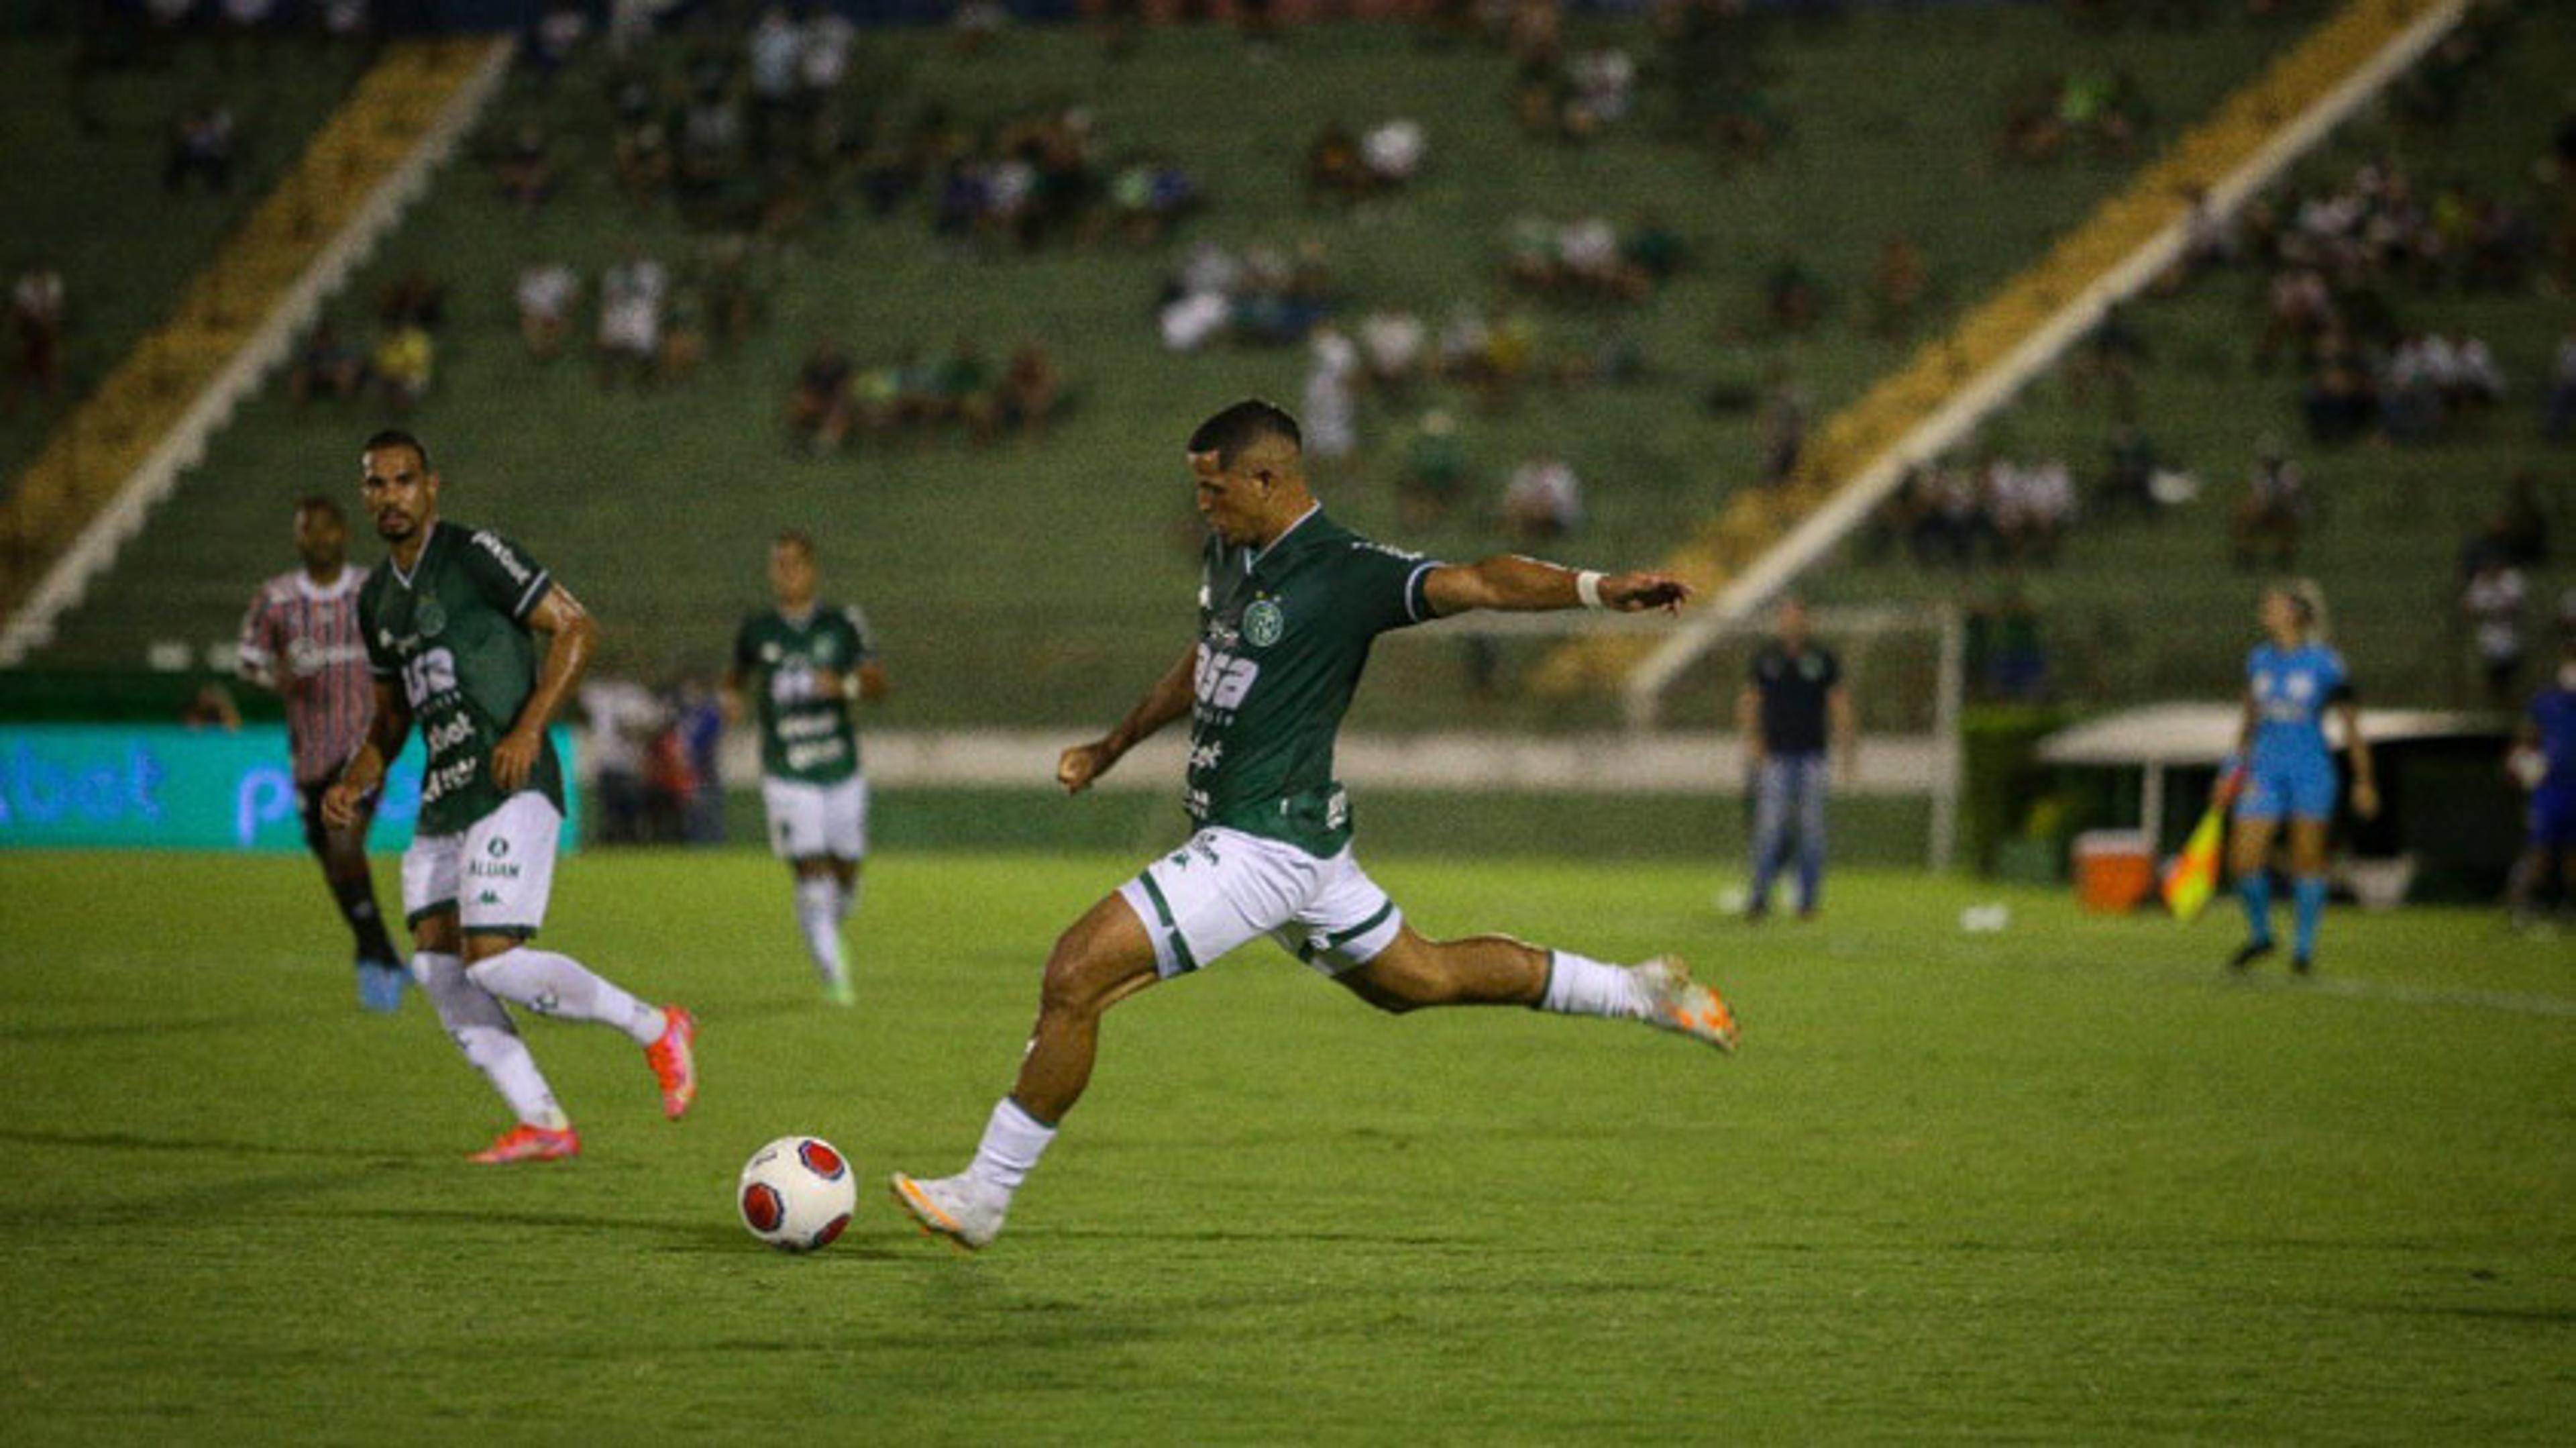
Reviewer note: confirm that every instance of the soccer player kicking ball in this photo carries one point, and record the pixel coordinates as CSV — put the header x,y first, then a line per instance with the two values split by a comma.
x,y
1289,602
808,662
452,620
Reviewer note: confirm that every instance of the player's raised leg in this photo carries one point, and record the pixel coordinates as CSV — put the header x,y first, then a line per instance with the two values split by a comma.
x,y
506,880
1413,972
1103,958
554,984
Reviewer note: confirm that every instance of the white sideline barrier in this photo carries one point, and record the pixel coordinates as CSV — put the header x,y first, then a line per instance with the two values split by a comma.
x,y
1697,763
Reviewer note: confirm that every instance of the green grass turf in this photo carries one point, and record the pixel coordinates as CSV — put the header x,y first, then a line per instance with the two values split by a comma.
x,y
2063,1183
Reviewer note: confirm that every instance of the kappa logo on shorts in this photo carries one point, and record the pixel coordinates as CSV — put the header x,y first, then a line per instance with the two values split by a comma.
x,y
1264,623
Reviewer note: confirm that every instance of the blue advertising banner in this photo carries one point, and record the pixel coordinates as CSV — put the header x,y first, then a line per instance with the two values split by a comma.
x,y
162,787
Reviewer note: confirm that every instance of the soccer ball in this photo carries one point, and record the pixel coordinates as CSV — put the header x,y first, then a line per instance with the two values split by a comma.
x,y
797,1193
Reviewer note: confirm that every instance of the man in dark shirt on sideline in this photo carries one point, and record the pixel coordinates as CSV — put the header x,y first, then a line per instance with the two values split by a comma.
x,y
1792,696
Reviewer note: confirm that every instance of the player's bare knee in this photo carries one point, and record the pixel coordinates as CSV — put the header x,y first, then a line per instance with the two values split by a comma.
x,y
1073,983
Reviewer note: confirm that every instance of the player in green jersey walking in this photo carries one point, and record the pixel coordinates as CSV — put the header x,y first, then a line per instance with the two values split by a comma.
x,y
449,625
1289,602
807,663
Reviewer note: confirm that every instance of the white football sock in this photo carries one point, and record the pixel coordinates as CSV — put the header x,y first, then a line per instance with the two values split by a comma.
x,y
482,1030
1580,986
1013,1142
558,985
818,914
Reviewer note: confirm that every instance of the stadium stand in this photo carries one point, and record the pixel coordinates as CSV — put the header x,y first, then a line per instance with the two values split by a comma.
x,y
2148,599
1762,537
87,145
162,394
1045,569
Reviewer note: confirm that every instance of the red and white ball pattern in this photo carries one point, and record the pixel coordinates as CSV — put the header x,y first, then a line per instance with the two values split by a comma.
x,y
797,1193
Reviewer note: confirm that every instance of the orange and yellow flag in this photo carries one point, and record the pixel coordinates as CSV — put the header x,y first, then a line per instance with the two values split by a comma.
x,y
2191,878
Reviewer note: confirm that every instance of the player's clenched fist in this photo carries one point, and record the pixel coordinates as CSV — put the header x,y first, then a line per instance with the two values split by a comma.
x,y
1078,766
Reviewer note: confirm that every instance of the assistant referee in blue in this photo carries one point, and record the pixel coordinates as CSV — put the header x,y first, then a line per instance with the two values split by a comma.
x,y
1793,704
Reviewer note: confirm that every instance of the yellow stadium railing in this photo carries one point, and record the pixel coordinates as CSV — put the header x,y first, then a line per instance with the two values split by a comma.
x,y
105,440
1855,455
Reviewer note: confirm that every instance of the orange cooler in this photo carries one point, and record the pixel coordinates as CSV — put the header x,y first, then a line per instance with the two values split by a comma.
x,y
2114,870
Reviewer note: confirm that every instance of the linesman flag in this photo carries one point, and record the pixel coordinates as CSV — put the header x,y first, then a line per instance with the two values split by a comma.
x,y
2191,877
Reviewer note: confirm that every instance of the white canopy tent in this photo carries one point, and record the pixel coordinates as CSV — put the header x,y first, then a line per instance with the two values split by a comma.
x,y
2159,737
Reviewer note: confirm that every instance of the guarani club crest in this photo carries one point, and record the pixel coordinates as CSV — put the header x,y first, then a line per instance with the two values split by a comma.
x,y
1263,623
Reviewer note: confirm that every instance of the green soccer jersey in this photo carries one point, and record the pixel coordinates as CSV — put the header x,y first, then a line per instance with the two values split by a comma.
x,y
1283,635
453,632
805,734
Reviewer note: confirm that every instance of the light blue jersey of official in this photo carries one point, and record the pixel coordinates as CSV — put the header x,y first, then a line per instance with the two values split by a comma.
x,y
2292,688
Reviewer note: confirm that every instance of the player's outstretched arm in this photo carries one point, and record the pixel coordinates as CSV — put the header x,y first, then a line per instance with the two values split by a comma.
x,y
1168,700
1509,581
571,636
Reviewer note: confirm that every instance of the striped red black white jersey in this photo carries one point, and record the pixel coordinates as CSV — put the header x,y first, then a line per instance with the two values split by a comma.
x,y
301,639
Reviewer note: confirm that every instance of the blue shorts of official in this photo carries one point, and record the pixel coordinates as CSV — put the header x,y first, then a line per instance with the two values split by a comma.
x,y
2302,790
2552,817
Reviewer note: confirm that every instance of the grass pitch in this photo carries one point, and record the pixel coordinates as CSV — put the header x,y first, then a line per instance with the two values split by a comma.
x,y
2061,1183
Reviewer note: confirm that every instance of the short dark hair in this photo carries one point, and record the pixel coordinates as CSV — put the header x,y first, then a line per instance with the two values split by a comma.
x,y
793,538
1239,427
396,437
322,503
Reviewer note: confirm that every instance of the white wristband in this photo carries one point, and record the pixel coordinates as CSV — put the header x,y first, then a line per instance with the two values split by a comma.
x,y
1587,587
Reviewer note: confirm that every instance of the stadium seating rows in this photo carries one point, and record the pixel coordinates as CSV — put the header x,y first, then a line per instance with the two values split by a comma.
x,y
2150,609
1048,569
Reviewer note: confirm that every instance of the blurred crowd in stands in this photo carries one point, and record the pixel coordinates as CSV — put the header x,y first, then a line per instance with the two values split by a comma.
x,y
2496,594
2094,109
1996,509
909,395
38,307
395,369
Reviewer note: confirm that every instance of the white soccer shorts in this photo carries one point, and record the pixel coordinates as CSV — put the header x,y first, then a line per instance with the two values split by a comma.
x,y
806,820
1224,887
496,876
